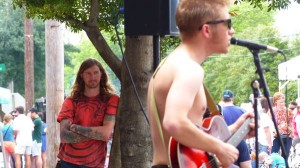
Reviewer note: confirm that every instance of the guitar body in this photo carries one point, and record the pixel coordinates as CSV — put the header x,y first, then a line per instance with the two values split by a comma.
x,y
186,157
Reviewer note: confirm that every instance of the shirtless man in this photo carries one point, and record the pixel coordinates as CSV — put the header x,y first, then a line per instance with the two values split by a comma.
x,y
205,29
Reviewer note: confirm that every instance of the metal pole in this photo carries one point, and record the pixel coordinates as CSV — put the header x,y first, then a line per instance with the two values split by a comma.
x,y
2,147
156,51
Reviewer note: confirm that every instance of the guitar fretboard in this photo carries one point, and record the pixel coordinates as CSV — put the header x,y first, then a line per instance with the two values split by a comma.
x,y
240,134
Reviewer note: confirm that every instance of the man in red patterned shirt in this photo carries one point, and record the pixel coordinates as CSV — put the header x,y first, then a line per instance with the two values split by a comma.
x,y
87,118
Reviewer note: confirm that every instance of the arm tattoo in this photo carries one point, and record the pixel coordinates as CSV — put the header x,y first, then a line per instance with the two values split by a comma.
x,y
68,136
86,131
72,137
110,118
96,132
80,129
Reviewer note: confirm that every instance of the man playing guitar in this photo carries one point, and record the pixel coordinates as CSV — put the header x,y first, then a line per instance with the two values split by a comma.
x,y
176,88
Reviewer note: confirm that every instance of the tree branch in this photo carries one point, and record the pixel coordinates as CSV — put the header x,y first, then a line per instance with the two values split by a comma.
x,y
93,32
94,12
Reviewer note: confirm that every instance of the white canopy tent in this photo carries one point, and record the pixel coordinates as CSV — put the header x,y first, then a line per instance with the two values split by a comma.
x,y
10,100
290,70
5,96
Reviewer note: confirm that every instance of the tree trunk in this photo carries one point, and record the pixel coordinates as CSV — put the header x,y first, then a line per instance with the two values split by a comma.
x,y
115,152
133,132
28,63
54,86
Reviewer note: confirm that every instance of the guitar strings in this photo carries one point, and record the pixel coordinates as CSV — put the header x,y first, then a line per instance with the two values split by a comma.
x,y
213,163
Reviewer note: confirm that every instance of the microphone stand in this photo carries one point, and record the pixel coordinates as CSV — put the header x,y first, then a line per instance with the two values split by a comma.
x,y
255,88
263,83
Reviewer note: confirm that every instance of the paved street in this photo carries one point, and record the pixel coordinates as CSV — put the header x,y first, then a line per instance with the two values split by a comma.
x,y
1,160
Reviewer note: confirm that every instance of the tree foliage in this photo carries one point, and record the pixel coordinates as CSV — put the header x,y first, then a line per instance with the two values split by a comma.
x,y
75,13
12,49
272,4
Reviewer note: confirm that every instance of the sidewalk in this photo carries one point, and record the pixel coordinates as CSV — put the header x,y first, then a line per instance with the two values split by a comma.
x,y
1,160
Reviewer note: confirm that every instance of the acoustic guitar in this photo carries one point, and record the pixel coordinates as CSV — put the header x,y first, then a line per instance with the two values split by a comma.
x,y
185,157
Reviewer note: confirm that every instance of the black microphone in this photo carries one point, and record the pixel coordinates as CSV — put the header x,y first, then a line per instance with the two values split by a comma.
x,y
253,46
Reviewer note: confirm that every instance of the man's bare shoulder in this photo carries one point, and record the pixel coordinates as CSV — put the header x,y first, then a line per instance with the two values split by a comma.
x,y
178,69
189,69
183,63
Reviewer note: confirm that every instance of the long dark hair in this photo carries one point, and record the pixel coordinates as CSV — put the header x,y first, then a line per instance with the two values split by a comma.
x,y
106,89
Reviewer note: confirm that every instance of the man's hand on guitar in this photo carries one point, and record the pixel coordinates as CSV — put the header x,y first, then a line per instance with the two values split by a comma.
x,y
227,155
241,120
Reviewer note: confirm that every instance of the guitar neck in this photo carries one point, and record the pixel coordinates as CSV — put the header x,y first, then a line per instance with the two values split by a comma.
x,y
240,134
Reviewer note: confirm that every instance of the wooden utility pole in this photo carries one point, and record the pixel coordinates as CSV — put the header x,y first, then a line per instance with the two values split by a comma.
x,y
54,86
28,63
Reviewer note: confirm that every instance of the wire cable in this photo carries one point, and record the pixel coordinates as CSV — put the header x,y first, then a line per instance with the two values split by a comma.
x,y
128,69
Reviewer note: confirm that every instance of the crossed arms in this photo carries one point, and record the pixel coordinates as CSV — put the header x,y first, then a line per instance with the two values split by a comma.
x,y
73,133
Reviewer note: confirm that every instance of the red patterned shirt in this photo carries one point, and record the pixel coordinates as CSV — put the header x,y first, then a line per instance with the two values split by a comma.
x,y
284,120
295,120
86,112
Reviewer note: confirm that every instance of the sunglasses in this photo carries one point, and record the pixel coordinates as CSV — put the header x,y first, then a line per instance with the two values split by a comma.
x,y
292,108
227,21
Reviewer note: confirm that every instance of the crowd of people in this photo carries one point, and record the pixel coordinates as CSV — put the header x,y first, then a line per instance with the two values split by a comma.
x,y
287,120
22,133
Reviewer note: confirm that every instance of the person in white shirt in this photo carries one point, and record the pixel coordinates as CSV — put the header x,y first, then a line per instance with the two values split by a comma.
x,y
23,127
265,130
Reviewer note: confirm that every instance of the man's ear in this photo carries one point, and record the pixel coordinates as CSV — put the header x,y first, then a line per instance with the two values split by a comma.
x,y
206,31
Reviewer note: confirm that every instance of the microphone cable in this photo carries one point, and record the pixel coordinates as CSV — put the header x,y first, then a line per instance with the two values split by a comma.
x,y
115,24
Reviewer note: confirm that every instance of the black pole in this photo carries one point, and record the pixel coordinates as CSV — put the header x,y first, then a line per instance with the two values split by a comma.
x,y
263,83
156,51
256,93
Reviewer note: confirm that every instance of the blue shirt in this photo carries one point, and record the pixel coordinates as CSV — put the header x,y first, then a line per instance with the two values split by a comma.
x,y
44,140
231,114
8,132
